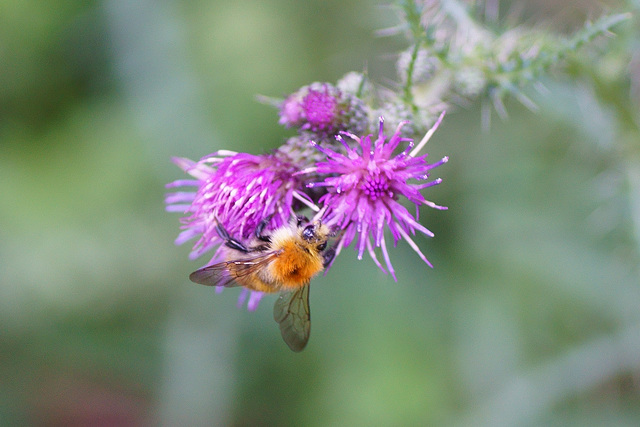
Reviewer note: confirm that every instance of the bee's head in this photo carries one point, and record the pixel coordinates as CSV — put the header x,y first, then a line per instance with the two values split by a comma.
x,y
316,234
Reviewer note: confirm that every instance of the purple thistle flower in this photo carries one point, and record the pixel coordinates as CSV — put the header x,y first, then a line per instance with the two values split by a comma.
x,y
323,109
237,189
291,113
254,298
320,107
364,186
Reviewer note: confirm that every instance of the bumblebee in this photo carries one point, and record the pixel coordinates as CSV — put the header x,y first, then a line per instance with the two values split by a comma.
x,y
283,261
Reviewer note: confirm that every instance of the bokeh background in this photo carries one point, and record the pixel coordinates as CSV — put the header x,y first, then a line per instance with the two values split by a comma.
x,y
530,317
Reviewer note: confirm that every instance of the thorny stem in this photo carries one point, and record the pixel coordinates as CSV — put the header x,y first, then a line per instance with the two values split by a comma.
x,y
408,95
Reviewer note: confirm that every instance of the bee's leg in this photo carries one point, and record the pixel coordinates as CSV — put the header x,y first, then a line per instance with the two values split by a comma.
x,y
224,234
328,256
238,246
230,241
260,229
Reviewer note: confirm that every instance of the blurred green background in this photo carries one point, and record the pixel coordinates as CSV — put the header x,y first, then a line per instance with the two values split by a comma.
x,y
530,316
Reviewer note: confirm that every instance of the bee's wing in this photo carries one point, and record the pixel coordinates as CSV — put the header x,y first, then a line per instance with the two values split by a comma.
x,y
291,311
214,275
224,273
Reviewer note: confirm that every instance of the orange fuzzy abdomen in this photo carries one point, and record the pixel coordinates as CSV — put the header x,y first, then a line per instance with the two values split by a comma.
x,y
295,266
255,283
